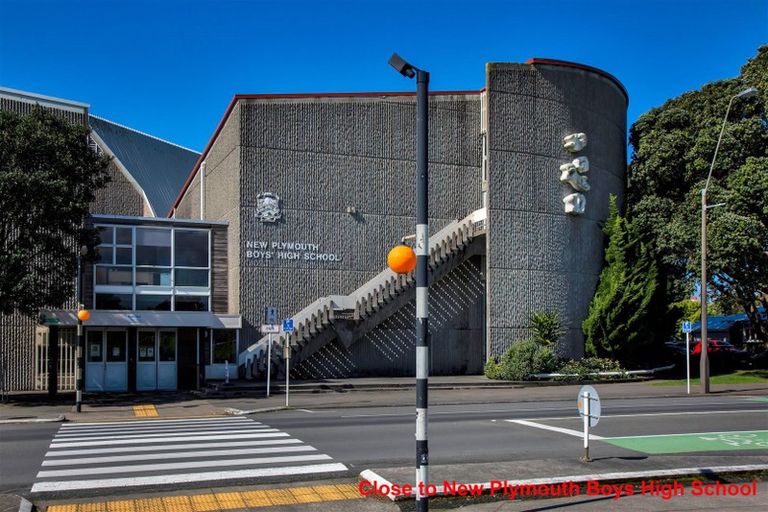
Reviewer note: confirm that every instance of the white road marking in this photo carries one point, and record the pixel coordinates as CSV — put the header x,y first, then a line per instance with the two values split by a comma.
x,y
61,439
180,465
148,428
187,455
185,478
562,430
168,439
153,422
169,449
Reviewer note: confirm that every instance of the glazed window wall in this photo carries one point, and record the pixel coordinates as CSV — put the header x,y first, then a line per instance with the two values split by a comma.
x,y
152,268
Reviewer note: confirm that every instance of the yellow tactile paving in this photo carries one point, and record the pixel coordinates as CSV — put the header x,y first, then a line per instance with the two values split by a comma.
x,y
145,410
220,501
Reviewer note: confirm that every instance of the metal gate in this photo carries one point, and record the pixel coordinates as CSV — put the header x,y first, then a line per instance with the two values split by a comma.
x,y
67,358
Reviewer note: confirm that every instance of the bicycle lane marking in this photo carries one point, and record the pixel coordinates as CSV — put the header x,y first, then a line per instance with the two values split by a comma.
x,y
698,442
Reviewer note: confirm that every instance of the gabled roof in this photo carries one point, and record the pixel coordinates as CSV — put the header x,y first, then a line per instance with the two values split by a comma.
x,y
158,167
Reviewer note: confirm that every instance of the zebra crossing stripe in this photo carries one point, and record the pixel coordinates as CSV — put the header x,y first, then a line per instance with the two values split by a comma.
x,y
185,478
151,422
180,465
169,439
162,434
154,456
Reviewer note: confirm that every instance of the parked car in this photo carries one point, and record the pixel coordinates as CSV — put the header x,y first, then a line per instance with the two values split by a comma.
x,y
714,346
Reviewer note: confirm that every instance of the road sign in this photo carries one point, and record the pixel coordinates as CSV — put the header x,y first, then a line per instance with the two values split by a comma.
x,y
270,329
687,327
594,404
270,315
288,325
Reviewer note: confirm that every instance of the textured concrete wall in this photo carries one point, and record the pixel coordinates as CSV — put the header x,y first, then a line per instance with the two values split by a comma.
x,y
118,197
322,155
538,257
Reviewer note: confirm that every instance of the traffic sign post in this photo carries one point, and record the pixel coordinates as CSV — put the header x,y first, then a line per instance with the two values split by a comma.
x,y
269,360
589,408
687,328
288,329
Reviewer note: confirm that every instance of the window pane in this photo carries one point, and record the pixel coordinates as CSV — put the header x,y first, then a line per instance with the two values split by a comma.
x,y
105,254
146,346
153,277
191,277
153,247
191,248
94,347
105,235
223,346
115,276
167,346
114,301
123,255
124,236
153,302
116,347
191,303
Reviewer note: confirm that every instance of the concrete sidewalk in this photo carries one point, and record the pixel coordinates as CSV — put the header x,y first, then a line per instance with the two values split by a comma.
x,y
346,393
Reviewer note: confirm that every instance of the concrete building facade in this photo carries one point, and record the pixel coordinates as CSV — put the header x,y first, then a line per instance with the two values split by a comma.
x,y
339,171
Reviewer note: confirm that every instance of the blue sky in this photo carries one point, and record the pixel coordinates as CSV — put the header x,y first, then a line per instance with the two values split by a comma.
x,y
171,67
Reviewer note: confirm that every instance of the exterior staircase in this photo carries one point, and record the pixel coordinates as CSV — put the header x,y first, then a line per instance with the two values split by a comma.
x,y
349,317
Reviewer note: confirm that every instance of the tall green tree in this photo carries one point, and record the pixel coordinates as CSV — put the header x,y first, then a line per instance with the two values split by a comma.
x,y
628,317
673,147
48,177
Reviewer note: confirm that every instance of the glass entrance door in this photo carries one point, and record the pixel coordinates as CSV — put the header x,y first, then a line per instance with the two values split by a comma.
x,y
156,360
107,361
146,361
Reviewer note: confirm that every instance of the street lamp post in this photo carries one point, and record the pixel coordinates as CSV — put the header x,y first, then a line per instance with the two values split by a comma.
x,y
82,314
704,360
422,283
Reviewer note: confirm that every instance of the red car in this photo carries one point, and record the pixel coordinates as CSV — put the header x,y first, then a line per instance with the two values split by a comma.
x,y
714,346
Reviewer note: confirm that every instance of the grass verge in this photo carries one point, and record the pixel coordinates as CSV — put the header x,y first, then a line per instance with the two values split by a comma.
x,y
736,377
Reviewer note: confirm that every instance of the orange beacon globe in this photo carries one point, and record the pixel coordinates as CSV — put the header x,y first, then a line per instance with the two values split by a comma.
x,y
401,259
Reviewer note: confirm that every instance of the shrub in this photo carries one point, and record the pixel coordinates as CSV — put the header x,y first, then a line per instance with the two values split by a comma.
x,y
584,369
546,328
492,369
523,358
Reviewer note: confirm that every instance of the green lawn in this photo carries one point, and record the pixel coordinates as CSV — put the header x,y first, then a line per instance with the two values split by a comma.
x,y
737,377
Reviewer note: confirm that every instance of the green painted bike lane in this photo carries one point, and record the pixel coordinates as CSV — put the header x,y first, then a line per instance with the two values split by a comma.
x,y
700,442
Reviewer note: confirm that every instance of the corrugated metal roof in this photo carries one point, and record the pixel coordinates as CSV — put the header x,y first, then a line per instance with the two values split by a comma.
x,y
158,166
724,323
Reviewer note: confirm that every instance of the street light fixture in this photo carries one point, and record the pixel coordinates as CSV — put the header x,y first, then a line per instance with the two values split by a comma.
x,y
422,283
704,361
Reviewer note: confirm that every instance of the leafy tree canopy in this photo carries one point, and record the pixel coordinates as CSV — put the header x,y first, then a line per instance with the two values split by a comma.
x,y
673,147
48,177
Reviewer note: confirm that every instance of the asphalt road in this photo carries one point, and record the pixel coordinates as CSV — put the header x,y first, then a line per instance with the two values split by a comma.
x,y
378,437
384,436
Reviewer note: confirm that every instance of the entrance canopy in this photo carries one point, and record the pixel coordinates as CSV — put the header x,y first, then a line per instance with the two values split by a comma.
x,y
100,318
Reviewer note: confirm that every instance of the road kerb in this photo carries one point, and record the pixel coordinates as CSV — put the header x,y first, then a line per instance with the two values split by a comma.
x,y
627,476
10,421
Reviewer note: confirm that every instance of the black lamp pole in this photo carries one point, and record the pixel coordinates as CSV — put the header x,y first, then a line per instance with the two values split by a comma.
x,y
422,283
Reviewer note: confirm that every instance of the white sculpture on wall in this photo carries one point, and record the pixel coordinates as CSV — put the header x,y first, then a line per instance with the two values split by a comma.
x,y
573,178
574,174
575,142
575,204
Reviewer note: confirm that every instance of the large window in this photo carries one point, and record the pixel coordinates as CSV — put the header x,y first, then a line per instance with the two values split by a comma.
x,y
153,268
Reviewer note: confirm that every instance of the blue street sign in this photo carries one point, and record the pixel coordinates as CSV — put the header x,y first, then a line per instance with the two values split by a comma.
x,y
687,327
288,325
